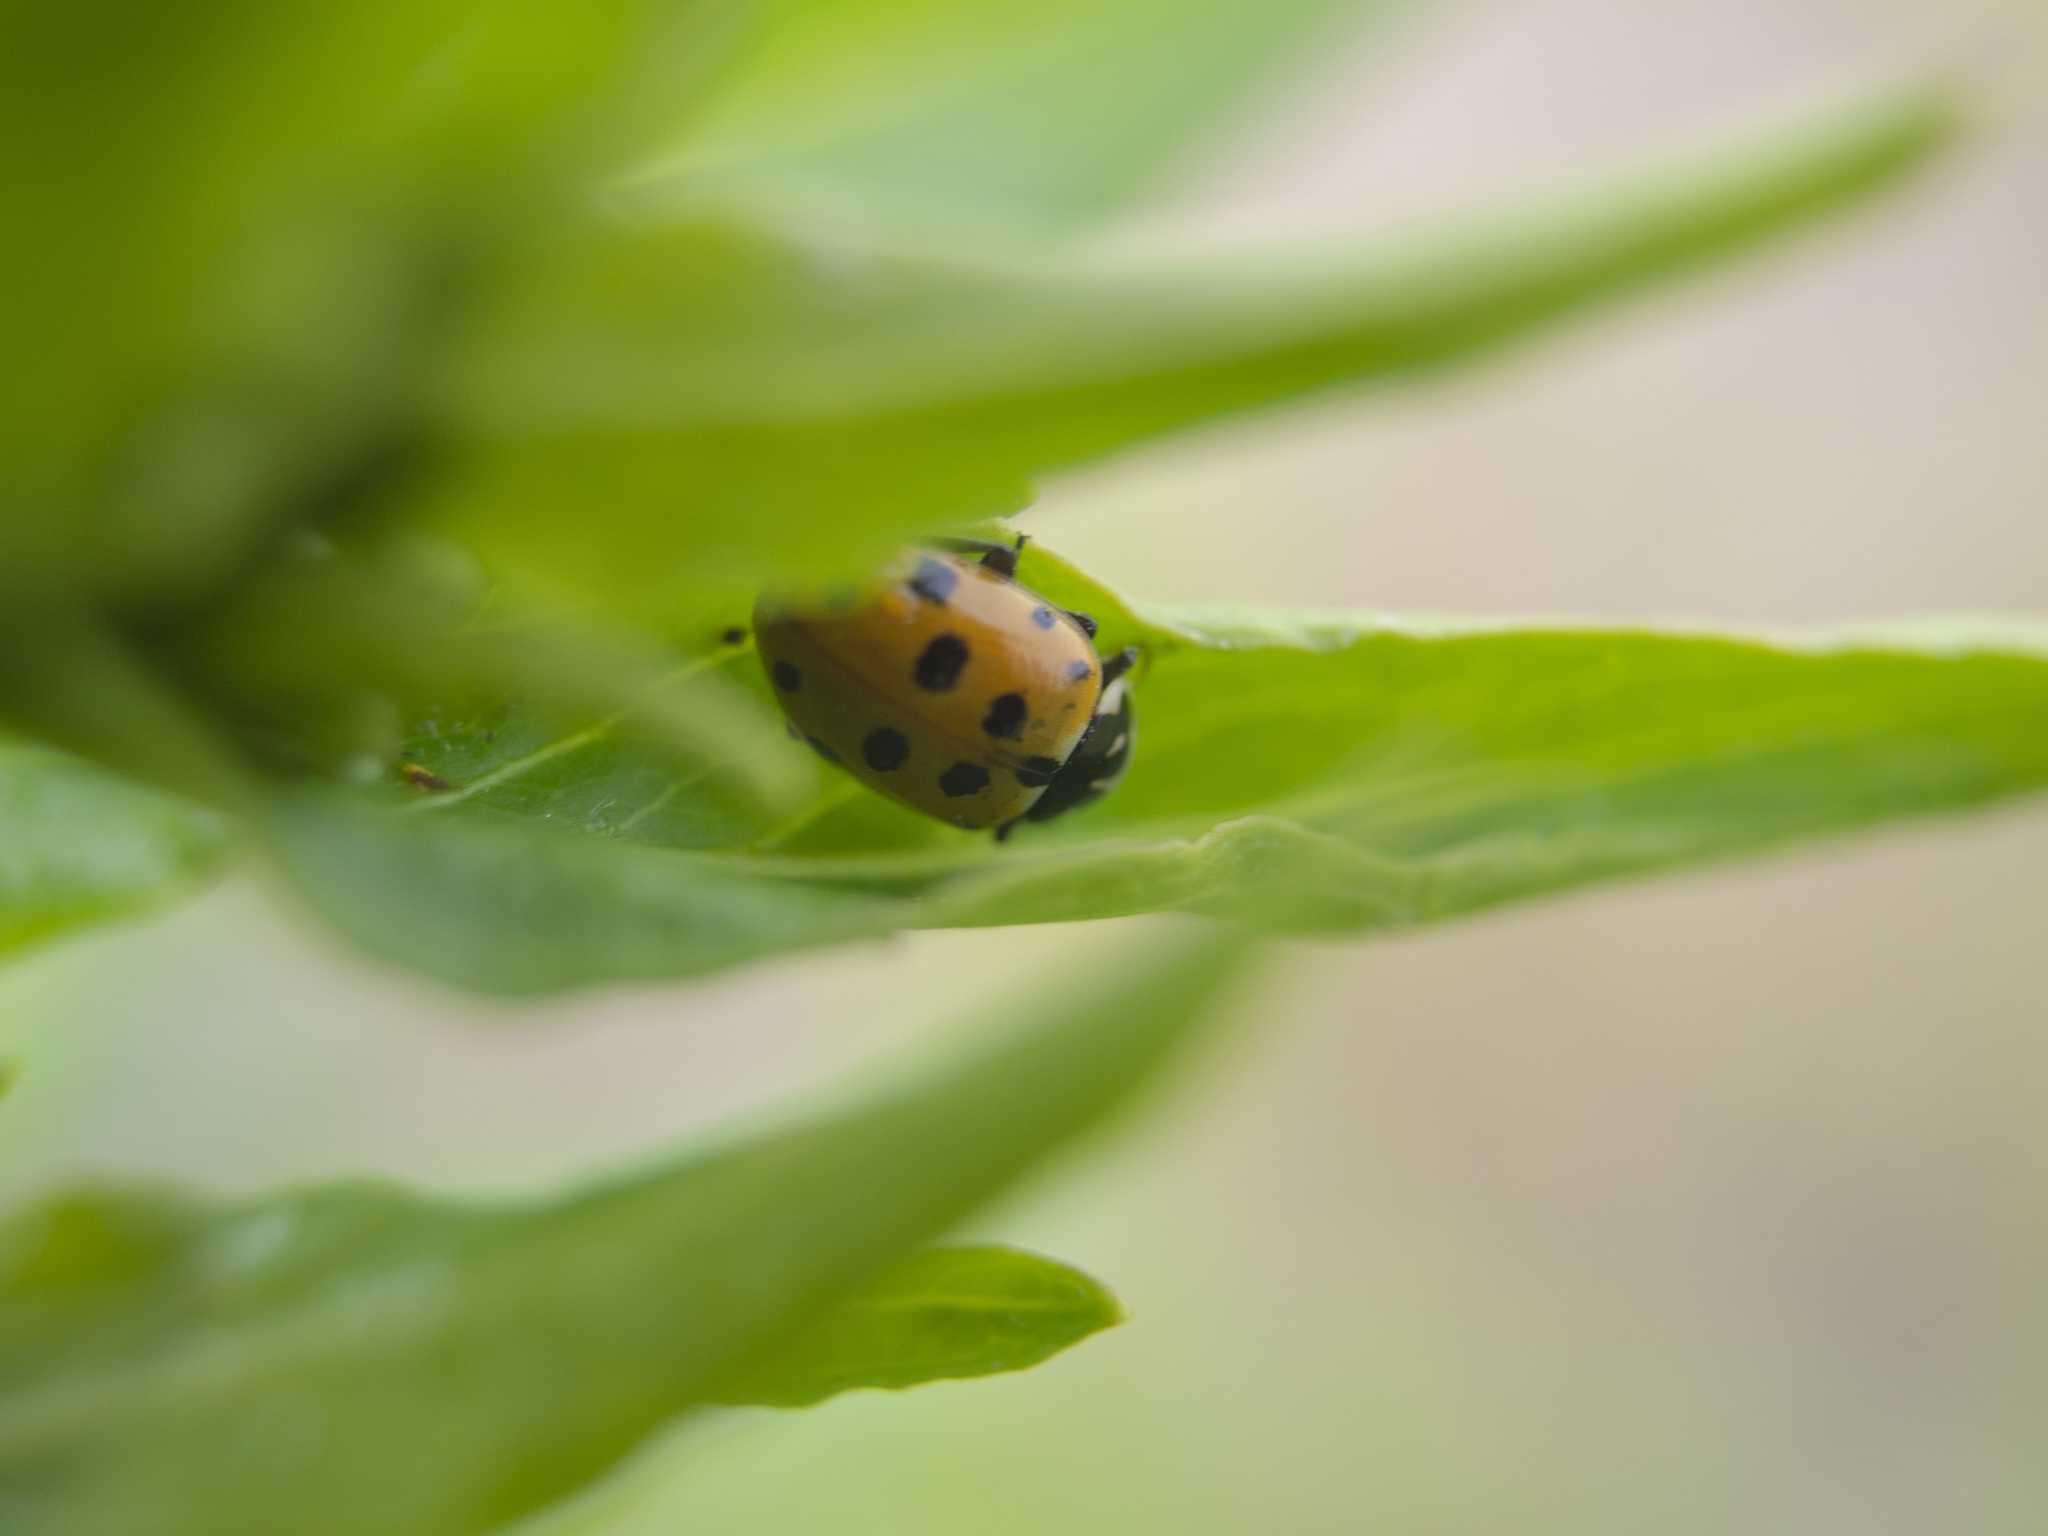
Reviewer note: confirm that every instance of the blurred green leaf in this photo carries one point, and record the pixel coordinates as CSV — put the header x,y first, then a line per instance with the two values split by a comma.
x,y
942,1315
70,680
356,1359
79,846
1312,773
1004,113
499,903
246,231
643,410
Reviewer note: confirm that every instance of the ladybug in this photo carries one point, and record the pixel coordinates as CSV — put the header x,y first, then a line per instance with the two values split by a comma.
x,y
956,690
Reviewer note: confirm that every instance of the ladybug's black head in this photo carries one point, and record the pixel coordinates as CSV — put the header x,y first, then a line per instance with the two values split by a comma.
x,y
1094,766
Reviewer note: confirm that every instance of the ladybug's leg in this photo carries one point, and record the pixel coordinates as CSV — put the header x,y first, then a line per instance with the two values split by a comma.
x,y
982,547
1003,832
1116,666
1000,558
1086,621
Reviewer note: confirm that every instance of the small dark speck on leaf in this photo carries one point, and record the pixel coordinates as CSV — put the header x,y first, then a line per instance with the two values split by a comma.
x,y
421,777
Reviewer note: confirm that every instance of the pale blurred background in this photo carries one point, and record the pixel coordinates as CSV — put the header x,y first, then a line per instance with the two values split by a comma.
x,y
1715,1204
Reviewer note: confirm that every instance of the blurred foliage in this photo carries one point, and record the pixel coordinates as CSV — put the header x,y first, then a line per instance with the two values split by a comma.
x,y
944,1314
507,586
83,846
762,404
885,113
419,395
358,1359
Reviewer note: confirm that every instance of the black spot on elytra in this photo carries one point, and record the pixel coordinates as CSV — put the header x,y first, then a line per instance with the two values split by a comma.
x,y
1037,772
940,666
963,779
1007,713
787,678
822,750
934,580
1042,617
885,749
1080,671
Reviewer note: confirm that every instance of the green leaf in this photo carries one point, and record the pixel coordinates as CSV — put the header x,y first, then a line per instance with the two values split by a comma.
x,y
405,634
942,1315
357,1359
1408,775
760,409
79,846
1403,774
1013,113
